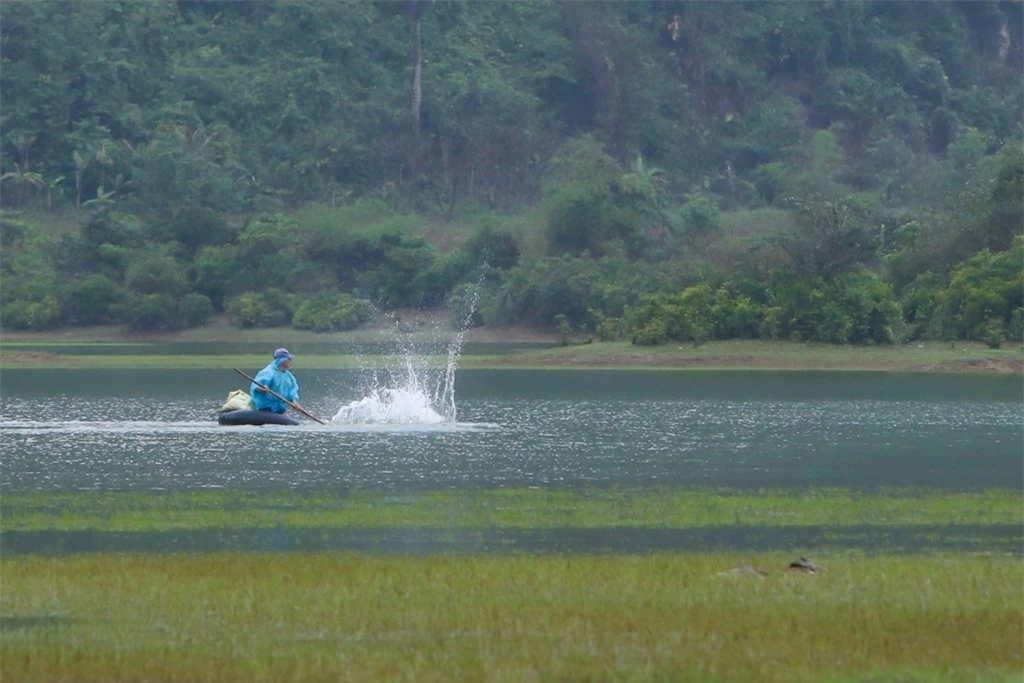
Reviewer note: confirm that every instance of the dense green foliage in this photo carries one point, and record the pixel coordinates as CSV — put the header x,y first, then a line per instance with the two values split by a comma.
x,y
833,171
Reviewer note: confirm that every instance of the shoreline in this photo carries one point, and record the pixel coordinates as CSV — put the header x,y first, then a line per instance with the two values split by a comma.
x,y
48,352
636,507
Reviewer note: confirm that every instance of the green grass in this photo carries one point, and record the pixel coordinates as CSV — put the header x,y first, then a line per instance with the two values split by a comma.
x,y
190,361
724,355
773,355
509,508
367,219
219,330
755,223
327,617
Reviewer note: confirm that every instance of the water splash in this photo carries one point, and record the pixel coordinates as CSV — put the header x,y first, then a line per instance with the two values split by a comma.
x,y
390,406
417,391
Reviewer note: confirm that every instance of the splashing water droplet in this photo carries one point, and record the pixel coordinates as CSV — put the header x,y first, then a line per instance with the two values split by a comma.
x,y
403,405
419,392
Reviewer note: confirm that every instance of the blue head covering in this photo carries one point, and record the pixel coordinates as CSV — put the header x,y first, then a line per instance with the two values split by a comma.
x,y
281,355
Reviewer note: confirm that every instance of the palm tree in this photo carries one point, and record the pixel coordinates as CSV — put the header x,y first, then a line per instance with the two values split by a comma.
x,y
102,197
51,185
81,163
652,174
22,179
120,184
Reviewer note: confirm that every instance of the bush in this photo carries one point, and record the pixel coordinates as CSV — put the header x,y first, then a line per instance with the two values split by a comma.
x,y
1015,329
698,323
924,307
405,274
984,289
594,206
651,332
91,300
107,226
736,317
683,317
582,289
700,217
254,309
609,329
496,248
214,267
154,272
13,230
992,332
31,315
195,310
463,303
331,313
871,308
858,307
151,312
577,219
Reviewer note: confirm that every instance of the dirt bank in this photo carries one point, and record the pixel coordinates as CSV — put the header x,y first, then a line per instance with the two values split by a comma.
x,y
999,366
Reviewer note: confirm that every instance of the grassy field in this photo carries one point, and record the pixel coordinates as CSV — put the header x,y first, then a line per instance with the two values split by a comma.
x,y
750,355
244,616
328,617
504,508
775,355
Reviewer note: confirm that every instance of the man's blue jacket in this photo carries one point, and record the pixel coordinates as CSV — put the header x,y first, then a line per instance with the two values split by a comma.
x,y
281,381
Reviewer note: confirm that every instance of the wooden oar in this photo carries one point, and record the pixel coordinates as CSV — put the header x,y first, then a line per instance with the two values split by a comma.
x,y
279,396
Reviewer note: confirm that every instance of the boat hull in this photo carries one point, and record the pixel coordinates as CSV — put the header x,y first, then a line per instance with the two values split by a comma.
x,y
238,418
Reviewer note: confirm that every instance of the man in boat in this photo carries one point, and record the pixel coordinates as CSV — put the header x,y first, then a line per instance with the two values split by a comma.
x,y
277,377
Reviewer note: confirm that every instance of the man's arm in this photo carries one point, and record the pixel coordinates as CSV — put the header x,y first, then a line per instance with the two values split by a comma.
x,y
263,377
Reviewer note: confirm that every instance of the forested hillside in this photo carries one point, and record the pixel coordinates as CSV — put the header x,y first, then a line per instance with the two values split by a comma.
x,y
832,171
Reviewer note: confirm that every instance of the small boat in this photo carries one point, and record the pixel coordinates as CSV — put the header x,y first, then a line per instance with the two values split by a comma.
x,y
237,418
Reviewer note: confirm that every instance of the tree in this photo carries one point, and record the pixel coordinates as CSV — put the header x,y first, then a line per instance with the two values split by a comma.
x,y
156,272
700,218
81,164
416,16
984,292
52,185
331,313
272,308
150,312
23,180
194,310
91,300
213,273
830,236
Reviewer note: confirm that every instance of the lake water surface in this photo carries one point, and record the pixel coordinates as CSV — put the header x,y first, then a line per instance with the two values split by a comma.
x,y
64,430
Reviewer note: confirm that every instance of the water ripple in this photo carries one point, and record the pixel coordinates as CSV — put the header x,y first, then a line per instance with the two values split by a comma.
x,y
520,442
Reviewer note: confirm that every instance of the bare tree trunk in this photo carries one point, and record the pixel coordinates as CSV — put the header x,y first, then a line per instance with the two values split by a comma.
x,y
1004,41
416,10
